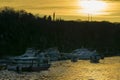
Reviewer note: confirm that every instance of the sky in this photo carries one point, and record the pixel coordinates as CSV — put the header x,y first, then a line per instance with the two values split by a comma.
x,y
108,10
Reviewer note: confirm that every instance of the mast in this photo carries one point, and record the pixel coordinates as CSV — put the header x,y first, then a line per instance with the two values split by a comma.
x,y
54,16
91,17
88,17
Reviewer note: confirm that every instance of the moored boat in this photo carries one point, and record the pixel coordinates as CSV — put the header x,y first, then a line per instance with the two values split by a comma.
x,y
29,62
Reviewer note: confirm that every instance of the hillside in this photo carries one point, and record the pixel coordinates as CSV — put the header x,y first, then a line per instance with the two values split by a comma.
x,y
20,30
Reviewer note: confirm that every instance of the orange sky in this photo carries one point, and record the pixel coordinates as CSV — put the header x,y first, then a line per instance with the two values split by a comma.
x,y
65,9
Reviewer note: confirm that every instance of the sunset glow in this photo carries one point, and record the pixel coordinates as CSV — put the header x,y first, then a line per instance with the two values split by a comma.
x,y
93,7
69,10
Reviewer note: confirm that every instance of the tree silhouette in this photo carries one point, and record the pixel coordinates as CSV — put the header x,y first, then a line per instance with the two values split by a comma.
x,y
20,30
49,18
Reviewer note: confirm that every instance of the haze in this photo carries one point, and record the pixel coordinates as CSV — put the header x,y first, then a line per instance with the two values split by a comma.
x,y
65,9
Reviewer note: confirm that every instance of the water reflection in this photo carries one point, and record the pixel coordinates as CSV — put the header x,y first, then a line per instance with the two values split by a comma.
x,y
108,69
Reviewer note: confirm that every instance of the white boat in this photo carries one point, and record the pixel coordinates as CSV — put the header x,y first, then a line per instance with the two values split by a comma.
x,y
85,54
30,61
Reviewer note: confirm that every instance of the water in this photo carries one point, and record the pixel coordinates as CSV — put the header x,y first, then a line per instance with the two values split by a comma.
x,y
107,69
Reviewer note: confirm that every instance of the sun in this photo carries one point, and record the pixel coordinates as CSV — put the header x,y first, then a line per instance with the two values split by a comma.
x,y
93,7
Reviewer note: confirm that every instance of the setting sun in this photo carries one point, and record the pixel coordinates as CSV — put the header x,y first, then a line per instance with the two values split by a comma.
x,y
100,10
93,7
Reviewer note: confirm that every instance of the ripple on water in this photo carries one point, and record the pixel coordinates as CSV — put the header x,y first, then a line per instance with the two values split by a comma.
x,y
107,69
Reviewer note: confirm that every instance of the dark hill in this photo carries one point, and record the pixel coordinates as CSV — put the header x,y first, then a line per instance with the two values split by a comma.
x,y
20,30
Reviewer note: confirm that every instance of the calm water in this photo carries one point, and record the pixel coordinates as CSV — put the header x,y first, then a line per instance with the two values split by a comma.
x,y
107,69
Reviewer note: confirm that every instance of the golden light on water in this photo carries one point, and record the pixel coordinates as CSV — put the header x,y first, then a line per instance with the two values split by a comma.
x,y
93,7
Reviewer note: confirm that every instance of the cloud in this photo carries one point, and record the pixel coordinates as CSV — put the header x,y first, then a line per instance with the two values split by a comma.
x,y
111,0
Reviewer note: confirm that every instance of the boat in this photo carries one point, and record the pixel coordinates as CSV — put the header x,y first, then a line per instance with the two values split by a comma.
x,y
29,62
85,54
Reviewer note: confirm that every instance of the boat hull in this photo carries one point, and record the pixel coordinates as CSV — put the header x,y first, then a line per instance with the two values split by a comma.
x,y
38,68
